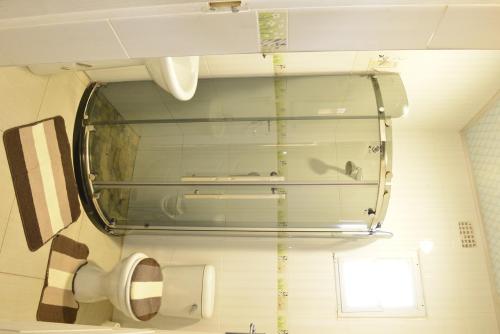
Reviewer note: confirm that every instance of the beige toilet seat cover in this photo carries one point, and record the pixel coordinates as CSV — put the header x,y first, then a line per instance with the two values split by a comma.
x,y
146,288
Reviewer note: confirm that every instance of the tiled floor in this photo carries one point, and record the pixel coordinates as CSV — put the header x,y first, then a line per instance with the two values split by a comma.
x,y
25,98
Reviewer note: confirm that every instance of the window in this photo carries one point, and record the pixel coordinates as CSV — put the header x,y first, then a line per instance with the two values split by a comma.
x,y
379,287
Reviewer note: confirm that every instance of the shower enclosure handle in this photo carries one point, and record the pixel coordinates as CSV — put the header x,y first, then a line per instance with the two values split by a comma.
x,y
229,179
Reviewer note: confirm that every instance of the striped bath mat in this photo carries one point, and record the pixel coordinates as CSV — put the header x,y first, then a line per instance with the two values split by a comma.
x,y
57,303
40,164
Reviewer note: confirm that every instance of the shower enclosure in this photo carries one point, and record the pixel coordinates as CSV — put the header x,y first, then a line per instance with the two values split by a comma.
x,y
307,155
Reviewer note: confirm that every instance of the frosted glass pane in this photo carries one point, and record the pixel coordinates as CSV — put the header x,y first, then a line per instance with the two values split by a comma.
x,y
357,295
377,285
396,284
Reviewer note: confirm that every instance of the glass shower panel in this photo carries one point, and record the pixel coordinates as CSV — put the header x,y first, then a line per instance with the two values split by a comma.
x,y
241,206
309,150
311,96
192,206
271,153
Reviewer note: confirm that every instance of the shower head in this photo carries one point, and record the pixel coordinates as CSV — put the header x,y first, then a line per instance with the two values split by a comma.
x,y
319,167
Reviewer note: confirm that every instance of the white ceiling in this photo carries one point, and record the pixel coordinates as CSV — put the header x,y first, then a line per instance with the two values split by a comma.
x,y
445,88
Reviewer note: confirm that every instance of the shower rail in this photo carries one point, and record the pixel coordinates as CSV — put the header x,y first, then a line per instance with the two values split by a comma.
x,y
88,186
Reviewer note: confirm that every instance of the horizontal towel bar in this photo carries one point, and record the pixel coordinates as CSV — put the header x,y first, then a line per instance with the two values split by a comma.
x,y
235,196
249,178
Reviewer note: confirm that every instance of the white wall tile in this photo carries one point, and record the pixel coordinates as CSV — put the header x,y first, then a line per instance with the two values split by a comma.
x,y
444,87
79,41
194,34
362,27
469,27
323,62
243,65
204,71
427,202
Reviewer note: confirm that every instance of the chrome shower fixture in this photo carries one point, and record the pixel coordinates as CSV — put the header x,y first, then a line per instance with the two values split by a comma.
x,y
353,171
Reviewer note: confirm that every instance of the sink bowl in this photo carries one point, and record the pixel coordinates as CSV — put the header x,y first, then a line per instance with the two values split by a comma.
x,y
176,75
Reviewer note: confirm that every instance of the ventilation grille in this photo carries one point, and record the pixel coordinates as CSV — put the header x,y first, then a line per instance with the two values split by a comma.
x,y
467,235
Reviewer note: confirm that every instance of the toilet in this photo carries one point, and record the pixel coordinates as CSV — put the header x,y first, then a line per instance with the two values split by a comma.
x,y
139,288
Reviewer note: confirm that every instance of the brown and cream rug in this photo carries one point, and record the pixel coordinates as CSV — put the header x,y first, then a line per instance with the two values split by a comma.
x,y
57,302
39,159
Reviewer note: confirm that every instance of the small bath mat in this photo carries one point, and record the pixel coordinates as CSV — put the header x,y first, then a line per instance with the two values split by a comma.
x,y
57,303
40,165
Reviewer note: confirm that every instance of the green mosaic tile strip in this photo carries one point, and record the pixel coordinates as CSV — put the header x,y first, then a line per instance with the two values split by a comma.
x,y
273,30
282,212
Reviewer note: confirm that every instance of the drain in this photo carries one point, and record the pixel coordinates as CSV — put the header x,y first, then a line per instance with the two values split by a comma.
x,y
467,235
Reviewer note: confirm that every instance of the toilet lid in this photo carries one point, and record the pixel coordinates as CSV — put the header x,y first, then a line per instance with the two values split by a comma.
x,y
146,288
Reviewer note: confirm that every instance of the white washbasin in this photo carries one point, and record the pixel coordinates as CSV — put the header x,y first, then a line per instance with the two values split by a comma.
x,y
176,75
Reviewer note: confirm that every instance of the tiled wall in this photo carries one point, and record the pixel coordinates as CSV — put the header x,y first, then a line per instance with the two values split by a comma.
x,y
483,144
431,194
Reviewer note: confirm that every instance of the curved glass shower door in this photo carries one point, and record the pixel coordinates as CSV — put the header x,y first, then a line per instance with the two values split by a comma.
x,y
257,154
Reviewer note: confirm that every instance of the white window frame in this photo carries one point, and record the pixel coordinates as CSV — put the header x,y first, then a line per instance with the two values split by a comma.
x,y
417,312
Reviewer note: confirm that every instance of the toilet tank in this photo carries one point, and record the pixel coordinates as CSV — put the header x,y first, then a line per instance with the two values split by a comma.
x,y
188,291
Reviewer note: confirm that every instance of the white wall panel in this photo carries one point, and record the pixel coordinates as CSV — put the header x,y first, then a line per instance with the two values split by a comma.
x,y
468,26
79,41
362,28
189,34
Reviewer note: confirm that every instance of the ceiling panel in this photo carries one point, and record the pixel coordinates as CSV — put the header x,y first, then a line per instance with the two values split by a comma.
x,y
362,27
188,34
468,25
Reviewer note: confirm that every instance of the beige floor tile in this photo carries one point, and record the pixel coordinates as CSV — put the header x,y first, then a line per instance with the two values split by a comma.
x,y
3,228
62,98
7,192
21,95
14,213
105,250
24,98
6,205
94,313
19,297
16,258
6,182
73,230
